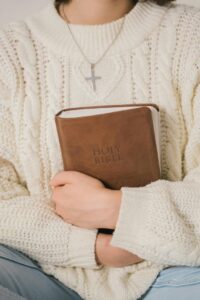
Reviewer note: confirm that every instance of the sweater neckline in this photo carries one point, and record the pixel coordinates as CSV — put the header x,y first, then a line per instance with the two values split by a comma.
x,y
50,28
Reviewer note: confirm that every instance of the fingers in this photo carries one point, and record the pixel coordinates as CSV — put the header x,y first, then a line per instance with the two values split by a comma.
x,y
56,194
62,178
65,177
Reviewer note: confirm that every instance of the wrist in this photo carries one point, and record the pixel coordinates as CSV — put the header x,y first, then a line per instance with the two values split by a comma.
x,y
97,251
101,248
112,200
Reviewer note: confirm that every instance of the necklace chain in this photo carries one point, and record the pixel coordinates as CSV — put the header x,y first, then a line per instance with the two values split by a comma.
x,y
75,41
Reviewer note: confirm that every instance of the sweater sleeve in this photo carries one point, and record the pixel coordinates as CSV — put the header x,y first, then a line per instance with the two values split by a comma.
x,y
28,224
161,221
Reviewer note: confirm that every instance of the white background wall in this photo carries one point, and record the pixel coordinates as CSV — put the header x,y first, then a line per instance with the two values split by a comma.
x,y
16,9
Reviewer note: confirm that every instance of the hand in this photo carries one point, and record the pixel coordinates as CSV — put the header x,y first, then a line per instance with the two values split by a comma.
x,y
110,256
84,201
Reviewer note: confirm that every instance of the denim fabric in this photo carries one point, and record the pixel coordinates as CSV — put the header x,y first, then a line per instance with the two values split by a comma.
x,y
6,294
175,283
22,279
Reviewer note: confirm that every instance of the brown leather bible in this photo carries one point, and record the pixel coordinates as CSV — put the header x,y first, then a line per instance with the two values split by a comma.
x,y
117,144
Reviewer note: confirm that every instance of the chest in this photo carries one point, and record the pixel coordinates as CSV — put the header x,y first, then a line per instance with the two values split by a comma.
x,y
49,85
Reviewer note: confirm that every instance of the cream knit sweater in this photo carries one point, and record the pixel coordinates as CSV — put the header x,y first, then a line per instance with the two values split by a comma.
x,y
156,59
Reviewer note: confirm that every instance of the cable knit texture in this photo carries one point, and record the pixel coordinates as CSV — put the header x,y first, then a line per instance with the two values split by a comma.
x,y
157,60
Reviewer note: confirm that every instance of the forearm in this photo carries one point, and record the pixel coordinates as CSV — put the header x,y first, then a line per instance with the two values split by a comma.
x,y
164,221
110,256
31,226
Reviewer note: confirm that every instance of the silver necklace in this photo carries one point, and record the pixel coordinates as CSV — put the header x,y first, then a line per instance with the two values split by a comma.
x,y
93,76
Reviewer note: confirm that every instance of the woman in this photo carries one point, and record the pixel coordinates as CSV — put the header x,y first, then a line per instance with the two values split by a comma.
x,y
139,52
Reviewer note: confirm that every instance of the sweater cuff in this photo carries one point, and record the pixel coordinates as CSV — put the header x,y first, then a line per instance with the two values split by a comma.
x,y
131,231
81,247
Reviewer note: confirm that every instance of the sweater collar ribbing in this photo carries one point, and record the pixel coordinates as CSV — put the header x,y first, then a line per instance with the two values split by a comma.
x,y
48,26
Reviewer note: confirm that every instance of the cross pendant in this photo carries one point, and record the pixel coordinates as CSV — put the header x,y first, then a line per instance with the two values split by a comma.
x,y
93,78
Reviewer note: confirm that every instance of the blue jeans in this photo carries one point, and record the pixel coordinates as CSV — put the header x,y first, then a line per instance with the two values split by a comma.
x,y
22,279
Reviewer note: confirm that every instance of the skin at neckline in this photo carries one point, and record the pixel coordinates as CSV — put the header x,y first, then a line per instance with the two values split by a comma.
x,y
95,12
